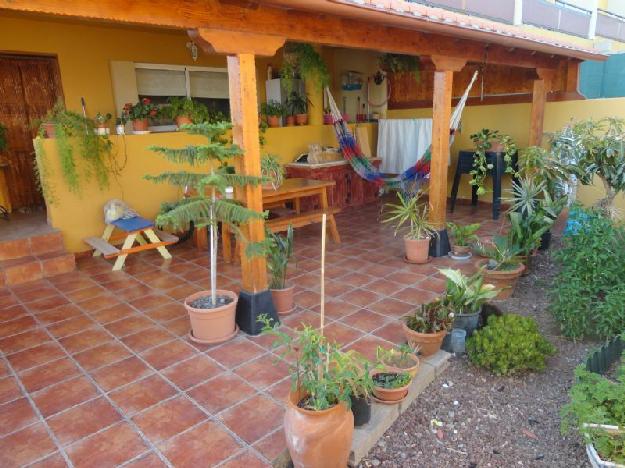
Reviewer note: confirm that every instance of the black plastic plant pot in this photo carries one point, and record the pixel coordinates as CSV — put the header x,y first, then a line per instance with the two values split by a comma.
x,y
361,407
468,322
545,241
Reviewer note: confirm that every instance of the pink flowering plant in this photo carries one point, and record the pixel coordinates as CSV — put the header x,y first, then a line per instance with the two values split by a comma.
x,y
141,110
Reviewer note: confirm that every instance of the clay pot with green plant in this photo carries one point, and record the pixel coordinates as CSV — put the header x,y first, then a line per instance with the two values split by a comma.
x,y
463,236
212,313
501,267
303,61
400,359
297,105
185,111
140,113
390,386
318,423
279,253
427,326
465,296
272,171
362,389
411,213
273,112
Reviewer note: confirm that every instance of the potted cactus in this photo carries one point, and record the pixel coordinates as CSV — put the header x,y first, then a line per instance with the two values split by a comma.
x,y
212,312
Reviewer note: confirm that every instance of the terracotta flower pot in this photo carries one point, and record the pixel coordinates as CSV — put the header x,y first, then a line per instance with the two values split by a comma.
x,y
290,120
183,120
389,394
273,120
461,250
140,125
412,369
318,439
283,300
417,250
301,119
212,325
49,129
503,280
428,343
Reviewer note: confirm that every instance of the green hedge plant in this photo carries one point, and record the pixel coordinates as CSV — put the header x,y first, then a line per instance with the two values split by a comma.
x,y
509,344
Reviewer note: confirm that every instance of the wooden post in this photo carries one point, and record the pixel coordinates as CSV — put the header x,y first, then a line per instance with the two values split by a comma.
x,y
539,97
441,113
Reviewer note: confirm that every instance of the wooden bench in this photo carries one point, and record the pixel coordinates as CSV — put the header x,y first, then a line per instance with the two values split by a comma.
x,y
302,219
135,229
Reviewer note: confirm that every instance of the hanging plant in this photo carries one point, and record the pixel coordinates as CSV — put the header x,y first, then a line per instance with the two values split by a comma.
x,y
303,61
484,141
69,127
398,64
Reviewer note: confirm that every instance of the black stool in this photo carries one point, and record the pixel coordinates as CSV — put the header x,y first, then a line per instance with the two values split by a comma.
x,y
465,166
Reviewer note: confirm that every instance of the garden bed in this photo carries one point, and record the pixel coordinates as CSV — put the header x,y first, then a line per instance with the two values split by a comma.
x,y
470,418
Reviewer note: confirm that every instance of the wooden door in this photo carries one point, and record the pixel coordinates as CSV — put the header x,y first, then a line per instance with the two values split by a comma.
x,y
29,87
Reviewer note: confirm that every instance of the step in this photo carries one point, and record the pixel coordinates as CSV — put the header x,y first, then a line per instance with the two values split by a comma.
x,y
31,246
34,267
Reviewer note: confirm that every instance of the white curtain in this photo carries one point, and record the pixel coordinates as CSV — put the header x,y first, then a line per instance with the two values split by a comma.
x,y
402,142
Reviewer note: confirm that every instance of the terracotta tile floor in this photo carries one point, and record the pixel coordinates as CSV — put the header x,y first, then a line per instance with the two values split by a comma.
x,y
97,370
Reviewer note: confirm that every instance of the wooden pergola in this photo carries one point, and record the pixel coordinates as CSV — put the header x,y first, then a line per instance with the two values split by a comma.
x,y
244,29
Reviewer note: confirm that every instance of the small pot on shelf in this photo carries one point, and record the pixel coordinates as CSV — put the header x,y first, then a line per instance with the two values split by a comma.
x,y
290,120
140,125
212,325
183,120
301,119
417,250
283,300
273,121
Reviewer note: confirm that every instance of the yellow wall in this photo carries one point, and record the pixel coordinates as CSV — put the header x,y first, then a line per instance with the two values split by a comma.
x,y
514,119
80,215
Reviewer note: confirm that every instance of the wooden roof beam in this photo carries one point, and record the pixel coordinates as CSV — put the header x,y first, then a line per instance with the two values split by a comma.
x,y
290,24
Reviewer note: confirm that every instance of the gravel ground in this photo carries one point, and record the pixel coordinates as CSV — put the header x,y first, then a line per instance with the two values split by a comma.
x,y
490,421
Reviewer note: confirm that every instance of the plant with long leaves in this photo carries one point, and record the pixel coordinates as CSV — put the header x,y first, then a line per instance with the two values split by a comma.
x,y
279,253
319,369
526,230
502,253
411,212
464,234
206,208
466,294
550,168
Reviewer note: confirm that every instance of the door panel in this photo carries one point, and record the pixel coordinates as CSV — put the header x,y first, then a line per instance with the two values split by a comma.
x,y
29,87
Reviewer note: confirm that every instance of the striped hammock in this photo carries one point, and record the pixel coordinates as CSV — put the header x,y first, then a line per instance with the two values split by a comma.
x,y
412,178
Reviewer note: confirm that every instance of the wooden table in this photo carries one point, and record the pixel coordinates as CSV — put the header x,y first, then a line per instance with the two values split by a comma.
x,y
293,190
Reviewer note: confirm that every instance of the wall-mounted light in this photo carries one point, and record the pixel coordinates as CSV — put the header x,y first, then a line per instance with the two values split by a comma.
x,y
192,46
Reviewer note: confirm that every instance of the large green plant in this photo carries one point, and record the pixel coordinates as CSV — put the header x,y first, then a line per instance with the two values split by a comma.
x,y
509,344
210,206
186,107
596,399
483,142
398,63
432,317
279,253
464,234
527,230
466,294
325,374
412,213
74,132
304,61
587,293
502,253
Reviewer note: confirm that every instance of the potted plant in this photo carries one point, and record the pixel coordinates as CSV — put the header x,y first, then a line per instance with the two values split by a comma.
x,y
184,111
212,313
463,236
401,64
526,232
318,424
490,140
501,267
303,61
362,389
400,359
390,387
120,126
101,123
139,113
272,171
427,326
417,240
279,252
273,111
465,296
297,106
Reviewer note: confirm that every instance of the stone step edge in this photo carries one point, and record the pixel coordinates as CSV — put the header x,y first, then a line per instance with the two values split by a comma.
x,y
32,245
46,267
383,416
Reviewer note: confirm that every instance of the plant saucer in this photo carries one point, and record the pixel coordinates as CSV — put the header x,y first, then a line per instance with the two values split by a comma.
x,y
140,132
384,402
416,263
466,256
216,341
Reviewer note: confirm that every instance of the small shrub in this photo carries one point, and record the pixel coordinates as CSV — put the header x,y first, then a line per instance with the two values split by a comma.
x,y
588,294
509,344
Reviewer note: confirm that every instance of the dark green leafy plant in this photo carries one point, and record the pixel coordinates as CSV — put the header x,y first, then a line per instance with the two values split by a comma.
x,y
391,380
526,231
297,104
303,61
279,253
272,108
463,235
206,209
502,253
398,63
483,142
325,374
187,107
587,293
509,344
549,169
597,400
140,110
432,317
466,294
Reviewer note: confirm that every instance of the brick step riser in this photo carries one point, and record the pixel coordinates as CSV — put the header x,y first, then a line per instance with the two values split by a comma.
x,y
37,268
31,246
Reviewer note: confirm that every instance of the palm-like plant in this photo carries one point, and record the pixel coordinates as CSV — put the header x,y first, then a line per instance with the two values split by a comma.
x,y
209,206
409,211
502,254
279,252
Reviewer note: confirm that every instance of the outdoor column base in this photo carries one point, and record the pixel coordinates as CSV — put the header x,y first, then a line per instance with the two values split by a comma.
x,y
250,306
439,245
